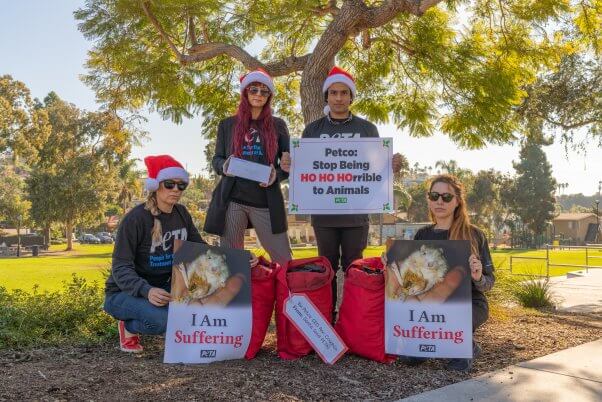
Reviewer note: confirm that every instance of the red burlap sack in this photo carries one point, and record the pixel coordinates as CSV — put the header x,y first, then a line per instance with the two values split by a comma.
x,y
361,320
312,277
263,295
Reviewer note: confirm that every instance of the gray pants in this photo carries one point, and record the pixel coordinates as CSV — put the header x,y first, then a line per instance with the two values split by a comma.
x,y
237,218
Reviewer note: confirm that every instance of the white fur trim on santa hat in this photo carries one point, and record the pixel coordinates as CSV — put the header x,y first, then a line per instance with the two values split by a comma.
x,y
257,76
341,78
169,173
151,184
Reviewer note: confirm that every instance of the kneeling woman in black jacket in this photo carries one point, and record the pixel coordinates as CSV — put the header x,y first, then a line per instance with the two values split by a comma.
x,y
447,209
255,135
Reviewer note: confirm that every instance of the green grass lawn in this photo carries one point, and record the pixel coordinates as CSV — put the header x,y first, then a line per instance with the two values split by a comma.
x,y
90,262
50,270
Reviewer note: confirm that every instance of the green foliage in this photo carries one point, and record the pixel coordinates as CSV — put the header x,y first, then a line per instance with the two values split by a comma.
x,y
535,293
423,72
77,161
418,209
15,107
14,207
52,318
531,196
485,201
569,98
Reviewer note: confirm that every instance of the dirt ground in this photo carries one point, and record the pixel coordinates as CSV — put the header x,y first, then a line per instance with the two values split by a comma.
x,y
103,373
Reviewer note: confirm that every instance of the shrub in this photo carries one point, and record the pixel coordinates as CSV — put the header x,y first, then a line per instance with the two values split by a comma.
x,y
73,315
535,293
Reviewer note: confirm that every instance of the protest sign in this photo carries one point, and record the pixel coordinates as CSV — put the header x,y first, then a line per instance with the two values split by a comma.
x,y
210,316
428,304
299,309
341,176
249,170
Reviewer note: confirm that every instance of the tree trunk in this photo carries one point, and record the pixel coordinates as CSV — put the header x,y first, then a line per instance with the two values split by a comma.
x,y
47,235
69,234
312,99
323,58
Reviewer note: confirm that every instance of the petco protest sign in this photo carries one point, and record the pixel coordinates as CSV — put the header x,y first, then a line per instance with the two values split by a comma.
x,y
210,314
314,327
341,176
428,305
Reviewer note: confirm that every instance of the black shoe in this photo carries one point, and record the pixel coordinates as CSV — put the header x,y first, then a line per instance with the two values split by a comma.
x,y
412,361
459,364
476,350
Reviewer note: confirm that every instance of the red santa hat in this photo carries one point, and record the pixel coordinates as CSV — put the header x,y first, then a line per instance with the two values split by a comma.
x,y
259,75
160,168
337,74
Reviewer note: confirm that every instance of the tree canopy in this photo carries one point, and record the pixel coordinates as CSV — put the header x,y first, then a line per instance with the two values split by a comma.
x,y
531,196
462,67
75,163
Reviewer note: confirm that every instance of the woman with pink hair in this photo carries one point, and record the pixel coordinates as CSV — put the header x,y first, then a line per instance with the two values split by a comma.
x,y
253,134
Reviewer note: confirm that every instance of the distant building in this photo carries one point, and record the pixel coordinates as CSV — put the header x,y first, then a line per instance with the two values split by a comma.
x,y
579,228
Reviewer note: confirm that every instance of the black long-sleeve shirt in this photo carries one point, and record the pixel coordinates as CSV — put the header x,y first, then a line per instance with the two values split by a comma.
x,y
488,277
138,263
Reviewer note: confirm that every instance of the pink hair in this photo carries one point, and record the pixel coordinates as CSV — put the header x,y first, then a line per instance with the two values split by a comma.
x,y
267,130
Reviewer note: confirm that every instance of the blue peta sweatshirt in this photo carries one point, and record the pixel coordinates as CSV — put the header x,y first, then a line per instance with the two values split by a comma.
x,y
138,263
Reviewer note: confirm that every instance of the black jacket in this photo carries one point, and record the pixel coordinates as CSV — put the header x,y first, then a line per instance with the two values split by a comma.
x,y
216,215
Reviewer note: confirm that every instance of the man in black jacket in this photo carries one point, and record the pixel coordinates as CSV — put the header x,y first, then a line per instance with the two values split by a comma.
x,y
341,238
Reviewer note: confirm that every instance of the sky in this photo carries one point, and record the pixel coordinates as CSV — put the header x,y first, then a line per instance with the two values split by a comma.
x,y
41,46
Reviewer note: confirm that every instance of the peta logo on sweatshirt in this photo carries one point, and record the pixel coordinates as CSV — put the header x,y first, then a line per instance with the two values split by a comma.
x,y
168,238
340,135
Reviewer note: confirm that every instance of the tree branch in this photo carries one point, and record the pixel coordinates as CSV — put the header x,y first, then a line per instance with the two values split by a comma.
x,y
207,51
378,16
159,28
191,31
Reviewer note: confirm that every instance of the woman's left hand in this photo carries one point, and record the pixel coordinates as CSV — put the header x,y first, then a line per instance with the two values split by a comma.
x,y
272,178
476,268
254,260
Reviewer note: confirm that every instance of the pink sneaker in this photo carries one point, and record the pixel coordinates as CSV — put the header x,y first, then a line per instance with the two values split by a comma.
x,y
128,342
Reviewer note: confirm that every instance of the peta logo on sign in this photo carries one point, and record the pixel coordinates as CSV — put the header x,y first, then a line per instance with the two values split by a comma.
x,y
206,353
428,348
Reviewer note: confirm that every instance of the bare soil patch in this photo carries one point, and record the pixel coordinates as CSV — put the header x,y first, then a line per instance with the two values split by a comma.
x,y
102,372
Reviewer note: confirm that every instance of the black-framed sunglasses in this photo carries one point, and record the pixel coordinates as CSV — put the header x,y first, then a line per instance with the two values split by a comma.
x,y
259,91
170,185
446,197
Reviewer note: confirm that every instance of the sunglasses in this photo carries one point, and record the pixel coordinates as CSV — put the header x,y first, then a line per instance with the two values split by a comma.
x,y
170,185
446,197
258,91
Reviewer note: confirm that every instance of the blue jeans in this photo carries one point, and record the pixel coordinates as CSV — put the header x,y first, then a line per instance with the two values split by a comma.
x,y
137,313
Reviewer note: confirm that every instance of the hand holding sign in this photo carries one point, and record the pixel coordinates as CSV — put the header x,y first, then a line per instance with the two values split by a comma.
x,y
285,162
272,178
397,162
225,167
476,267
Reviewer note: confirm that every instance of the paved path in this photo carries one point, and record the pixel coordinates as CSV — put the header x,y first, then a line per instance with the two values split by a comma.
x,y
573,375
582,294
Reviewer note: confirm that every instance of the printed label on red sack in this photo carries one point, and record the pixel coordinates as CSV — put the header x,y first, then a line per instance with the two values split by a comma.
x,y
316,329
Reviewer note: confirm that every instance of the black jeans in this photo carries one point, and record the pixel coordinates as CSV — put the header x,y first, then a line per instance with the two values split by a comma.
x,y
341,246
480,313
